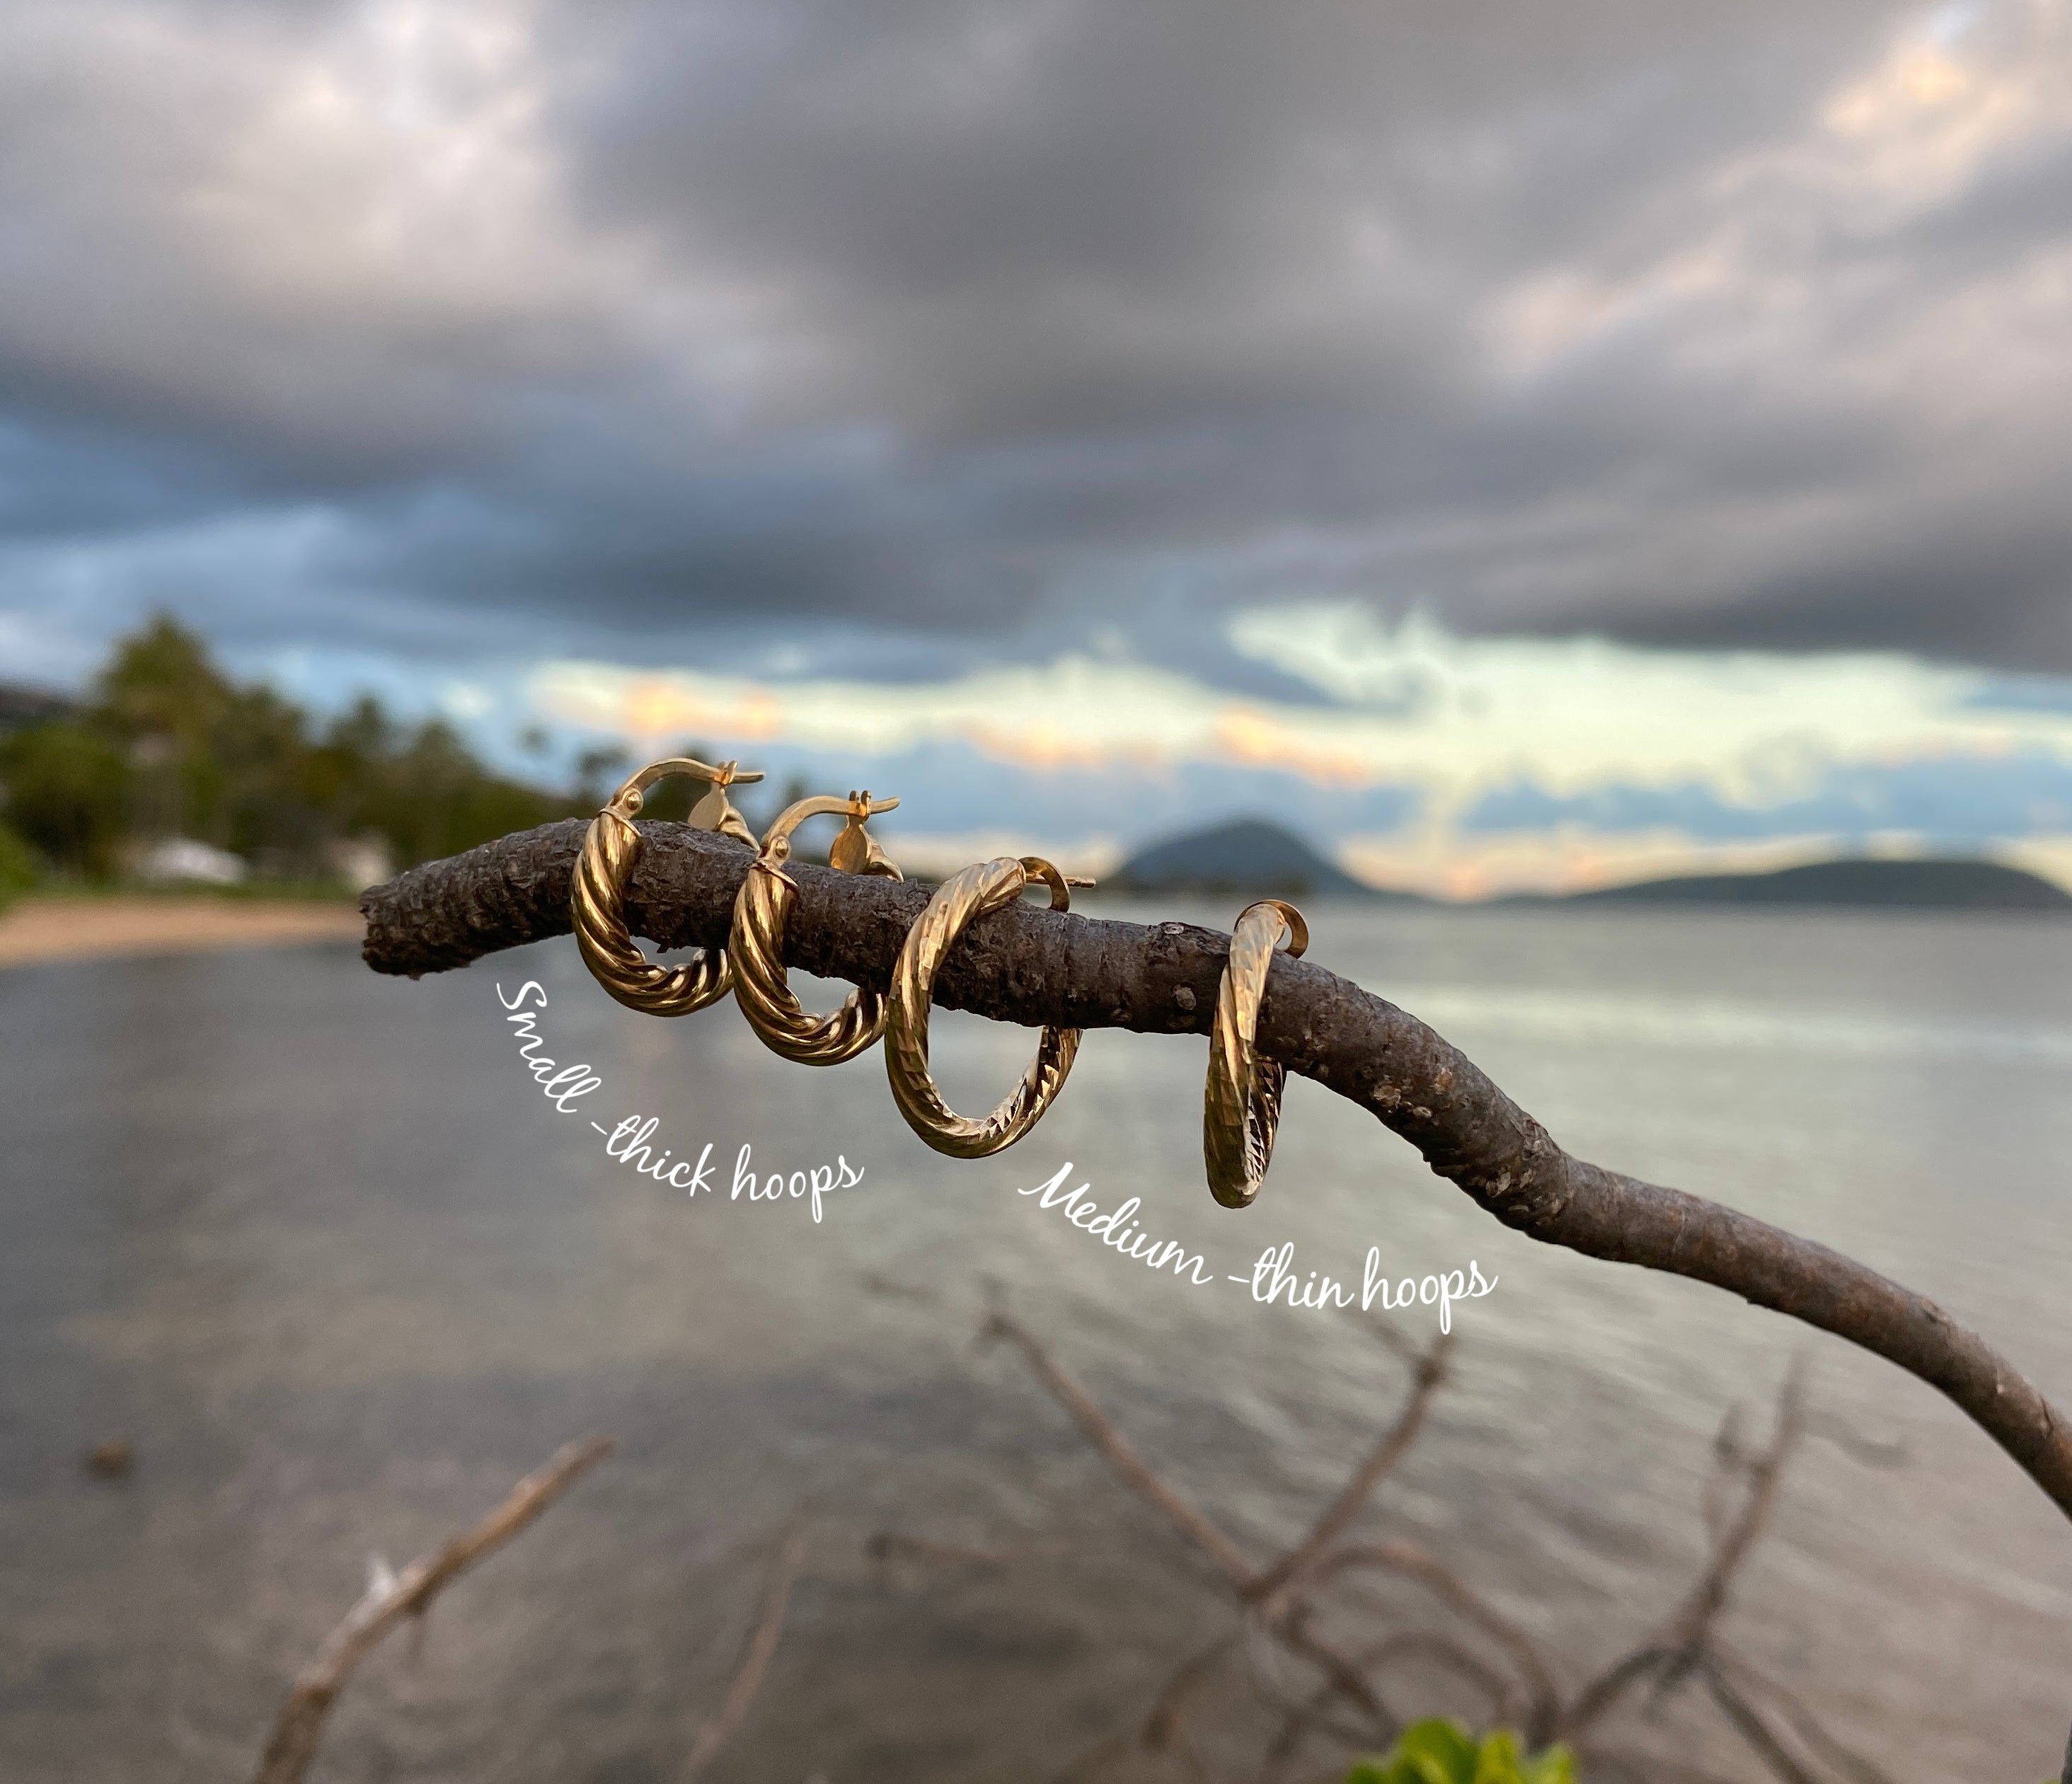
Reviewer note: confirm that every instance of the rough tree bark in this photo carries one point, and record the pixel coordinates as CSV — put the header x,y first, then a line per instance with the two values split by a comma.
x,y
1030,966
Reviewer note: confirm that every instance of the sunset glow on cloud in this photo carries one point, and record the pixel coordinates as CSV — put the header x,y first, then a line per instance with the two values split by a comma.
x,y
1515,763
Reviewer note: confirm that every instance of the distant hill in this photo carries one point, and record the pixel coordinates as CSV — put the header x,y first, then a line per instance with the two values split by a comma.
x,y
1918,885
1249,859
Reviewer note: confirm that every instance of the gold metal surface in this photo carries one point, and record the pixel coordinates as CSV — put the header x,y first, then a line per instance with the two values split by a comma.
x,y
755,946
991,885
1241,1105
597,900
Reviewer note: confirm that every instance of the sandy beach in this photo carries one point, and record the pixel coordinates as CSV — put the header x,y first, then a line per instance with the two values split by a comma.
x,y
71,929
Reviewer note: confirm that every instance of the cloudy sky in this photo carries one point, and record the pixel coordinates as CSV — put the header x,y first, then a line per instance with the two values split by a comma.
x,y
1526,443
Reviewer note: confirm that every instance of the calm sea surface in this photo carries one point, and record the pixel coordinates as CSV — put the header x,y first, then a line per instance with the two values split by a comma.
x,y
315,1243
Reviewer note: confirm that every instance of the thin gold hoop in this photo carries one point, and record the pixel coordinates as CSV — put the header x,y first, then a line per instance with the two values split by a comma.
x,y
596,902
755,945
1241,1106
991,885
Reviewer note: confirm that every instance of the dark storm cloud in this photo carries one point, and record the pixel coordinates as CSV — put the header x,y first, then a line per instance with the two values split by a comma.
x,y
942,328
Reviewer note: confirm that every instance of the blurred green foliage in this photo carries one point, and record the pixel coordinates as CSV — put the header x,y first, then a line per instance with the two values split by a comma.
x,y
168,746
1443,1753
67,786
18,866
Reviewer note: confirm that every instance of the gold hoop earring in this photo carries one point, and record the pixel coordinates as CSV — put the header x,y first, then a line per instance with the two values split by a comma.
x,y
755,945
597,903
990,886
1241,1106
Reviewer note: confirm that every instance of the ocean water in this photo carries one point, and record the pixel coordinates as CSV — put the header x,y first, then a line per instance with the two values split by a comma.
x,y
316,1244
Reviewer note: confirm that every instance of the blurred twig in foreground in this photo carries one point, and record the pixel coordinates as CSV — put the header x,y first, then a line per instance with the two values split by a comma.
x,y
293,1744
755,1657
390,1597
1281,1604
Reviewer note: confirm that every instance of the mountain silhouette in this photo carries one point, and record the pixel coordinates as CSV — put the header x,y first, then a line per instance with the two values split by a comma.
x,y
1249,859
1933,884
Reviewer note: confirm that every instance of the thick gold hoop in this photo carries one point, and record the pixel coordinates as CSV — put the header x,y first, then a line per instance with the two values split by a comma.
x,y
596,902
991,885
755,946
1241,1106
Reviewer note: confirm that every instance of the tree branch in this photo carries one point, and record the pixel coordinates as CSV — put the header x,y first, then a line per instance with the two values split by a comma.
x,y
1030,967
1544,1698
1273,1587
1691,1627
1752,1728
1844,1759
293,1744
777,1583
1163,1729
1429,1645
1100,1431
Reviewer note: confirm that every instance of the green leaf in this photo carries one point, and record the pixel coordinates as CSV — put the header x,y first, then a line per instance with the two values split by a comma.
x,y
1444,1751
1497,1761
1556,1765
1436,1751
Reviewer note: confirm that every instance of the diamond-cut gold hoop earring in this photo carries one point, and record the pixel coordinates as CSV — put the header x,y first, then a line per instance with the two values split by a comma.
x,y
597,903
1241,1106
991,885
755,946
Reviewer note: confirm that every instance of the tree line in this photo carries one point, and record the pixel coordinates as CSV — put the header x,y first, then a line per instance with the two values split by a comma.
x,y
165,744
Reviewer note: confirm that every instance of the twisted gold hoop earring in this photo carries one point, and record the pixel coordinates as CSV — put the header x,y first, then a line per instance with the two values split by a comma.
x,y
1241,1106
755,945
991,885
597,900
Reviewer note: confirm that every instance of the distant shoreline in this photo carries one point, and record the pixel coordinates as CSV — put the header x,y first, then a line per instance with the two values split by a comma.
x,y
1093,902
86,925
41,929
1253,857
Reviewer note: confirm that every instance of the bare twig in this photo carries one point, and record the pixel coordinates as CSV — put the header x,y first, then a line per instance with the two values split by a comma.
x,y
1028,966
1277,1602
1435,1649
1596,1698
1272,1585
1162,1730
756,1657
1101,1433
1392,1338
1766,1472
1543,1697
1313,1712
293,1744
1341,1671
1427,1645
1676,1647
1752,1728
1804,1723
1162,1727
